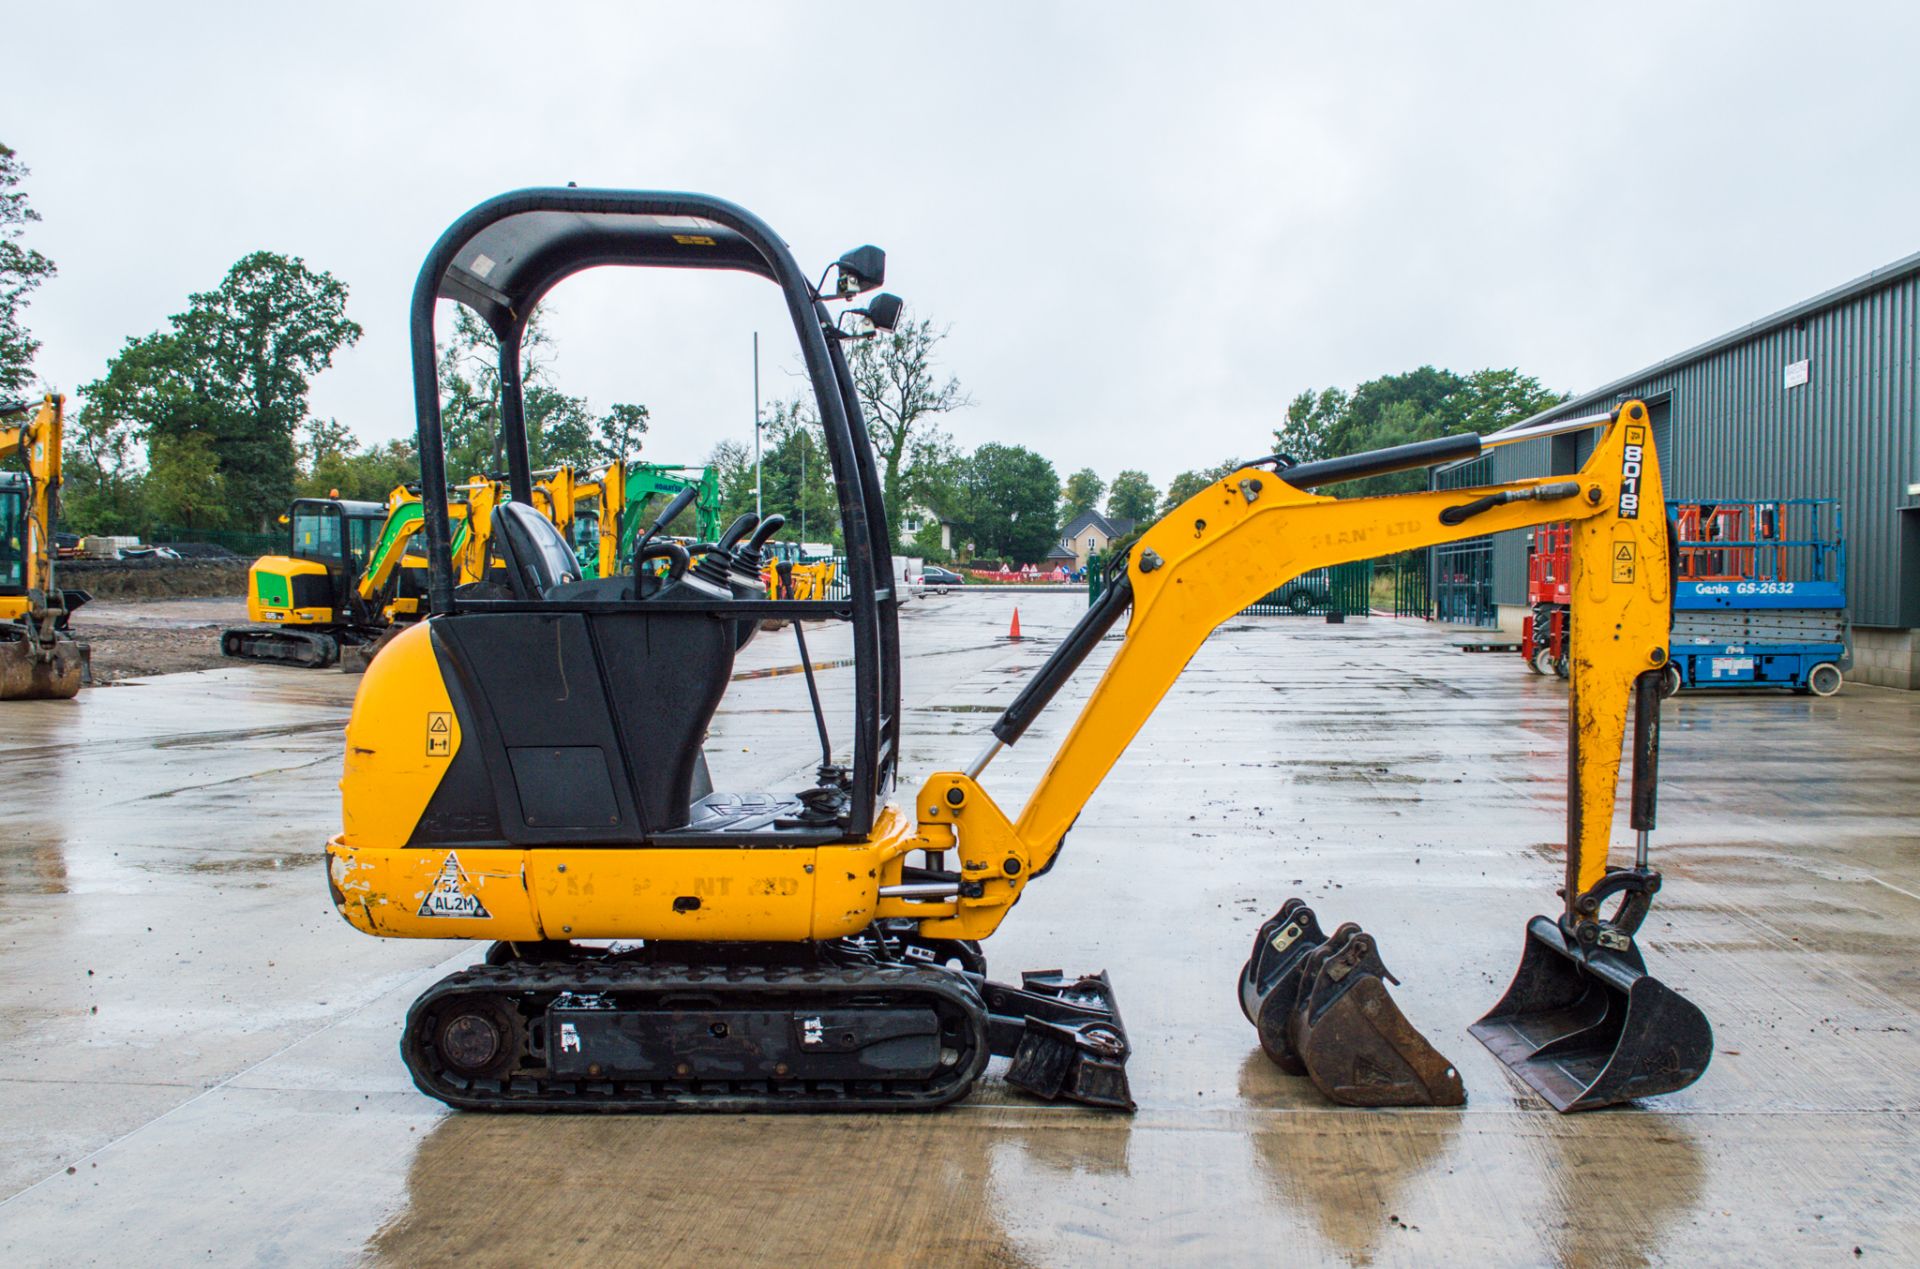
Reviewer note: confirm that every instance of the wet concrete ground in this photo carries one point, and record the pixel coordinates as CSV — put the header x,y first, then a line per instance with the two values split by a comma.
x,y
198,1058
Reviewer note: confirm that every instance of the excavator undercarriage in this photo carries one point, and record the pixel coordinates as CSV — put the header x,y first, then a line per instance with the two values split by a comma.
x,y
527,768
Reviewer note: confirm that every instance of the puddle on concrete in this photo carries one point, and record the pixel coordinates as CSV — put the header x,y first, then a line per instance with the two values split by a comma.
x,y
34,870
232,865
219,739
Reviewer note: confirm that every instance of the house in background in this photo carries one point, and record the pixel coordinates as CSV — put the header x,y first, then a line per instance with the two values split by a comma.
x,y
914,517
1086,534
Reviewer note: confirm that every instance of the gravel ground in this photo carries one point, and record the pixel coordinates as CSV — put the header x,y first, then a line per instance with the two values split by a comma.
x,y
132,638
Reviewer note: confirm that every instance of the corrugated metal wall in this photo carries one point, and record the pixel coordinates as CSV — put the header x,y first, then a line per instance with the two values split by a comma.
x,y
1851,432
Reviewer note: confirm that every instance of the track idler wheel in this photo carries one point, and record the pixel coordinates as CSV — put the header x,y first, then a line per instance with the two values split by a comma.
x,y
1321,1008
1585,1025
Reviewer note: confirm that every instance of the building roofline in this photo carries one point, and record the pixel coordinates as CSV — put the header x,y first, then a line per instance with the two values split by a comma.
x,y
1873,280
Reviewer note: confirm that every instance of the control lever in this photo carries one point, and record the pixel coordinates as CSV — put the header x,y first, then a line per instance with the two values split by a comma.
x,y
681,501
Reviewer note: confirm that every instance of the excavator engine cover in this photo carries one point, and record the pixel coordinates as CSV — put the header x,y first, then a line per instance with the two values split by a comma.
x,y
1586,1025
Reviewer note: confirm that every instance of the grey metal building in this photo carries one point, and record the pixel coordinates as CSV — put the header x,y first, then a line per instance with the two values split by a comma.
x,y
1816,401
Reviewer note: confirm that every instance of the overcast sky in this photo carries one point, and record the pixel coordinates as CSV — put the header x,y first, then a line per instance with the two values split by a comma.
x,y
1147,227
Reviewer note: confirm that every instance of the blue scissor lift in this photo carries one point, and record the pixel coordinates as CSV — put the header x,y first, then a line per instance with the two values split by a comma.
x,y
1761,597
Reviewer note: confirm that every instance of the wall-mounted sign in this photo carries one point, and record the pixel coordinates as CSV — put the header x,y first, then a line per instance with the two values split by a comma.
x,y
1798,372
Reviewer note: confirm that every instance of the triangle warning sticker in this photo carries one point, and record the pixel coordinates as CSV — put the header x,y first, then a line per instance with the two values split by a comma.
x,y
449,897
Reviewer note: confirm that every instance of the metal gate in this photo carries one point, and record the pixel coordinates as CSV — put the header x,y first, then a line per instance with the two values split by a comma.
x,y
1463,583
1345,589
1412,594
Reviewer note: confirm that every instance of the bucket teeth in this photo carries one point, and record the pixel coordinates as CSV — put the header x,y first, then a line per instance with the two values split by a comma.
x,y
1585,1025
1321,1007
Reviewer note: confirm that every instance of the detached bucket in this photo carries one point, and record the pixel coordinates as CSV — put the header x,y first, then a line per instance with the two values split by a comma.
x,y
30,672
1587,1027
1356,1045
1270,980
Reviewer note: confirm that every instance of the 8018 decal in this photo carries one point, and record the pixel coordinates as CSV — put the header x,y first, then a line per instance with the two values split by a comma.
x,y
1632,454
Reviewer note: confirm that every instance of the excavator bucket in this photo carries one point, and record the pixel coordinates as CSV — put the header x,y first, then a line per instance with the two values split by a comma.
x,y
1357,1046
1588,1026
1270,980
30,670
1321,1008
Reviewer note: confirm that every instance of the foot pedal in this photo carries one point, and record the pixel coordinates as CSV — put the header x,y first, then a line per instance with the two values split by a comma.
x,y
1585,1025
1356,1045
1270,980
1065,1038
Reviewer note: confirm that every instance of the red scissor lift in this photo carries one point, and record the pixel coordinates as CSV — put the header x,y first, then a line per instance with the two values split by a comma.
x,y
1543,633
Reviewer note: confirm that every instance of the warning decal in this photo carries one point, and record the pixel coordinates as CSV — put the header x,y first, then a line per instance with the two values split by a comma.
x,y
1623,562
449,897
439,733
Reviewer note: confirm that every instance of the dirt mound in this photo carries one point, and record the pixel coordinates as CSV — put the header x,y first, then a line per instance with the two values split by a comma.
x,y
153,579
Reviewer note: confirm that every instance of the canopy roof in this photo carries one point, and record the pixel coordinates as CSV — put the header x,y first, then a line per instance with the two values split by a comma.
x,y
508,252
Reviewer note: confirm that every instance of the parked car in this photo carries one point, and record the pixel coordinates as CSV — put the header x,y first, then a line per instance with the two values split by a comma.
x,y
939,580
1306,592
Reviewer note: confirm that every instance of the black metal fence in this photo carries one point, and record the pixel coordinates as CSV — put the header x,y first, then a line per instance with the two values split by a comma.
x,y
1463,583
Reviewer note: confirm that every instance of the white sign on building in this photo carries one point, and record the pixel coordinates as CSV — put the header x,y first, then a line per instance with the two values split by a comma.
x,y
1798,372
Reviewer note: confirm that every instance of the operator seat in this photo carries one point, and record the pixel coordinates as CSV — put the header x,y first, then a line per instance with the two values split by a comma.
x,y
536,554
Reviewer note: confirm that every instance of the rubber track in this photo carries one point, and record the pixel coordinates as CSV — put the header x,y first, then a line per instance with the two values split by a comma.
x,y
314,649
528,988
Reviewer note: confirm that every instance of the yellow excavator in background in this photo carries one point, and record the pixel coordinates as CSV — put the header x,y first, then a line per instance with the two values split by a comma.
x,y
348,576
523,769
38,658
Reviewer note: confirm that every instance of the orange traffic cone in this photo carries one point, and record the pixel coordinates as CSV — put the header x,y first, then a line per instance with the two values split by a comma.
x,y
1013,632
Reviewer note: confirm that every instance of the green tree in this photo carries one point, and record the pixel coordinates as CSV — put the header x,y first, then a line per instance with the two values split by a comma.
x,y
732,464
560,427
900,389
1189,483
332,459
796,476
1011,497
185,483
22,270
1307,434
1080,494
1398,409
1132,497
620,432
234,370
101,483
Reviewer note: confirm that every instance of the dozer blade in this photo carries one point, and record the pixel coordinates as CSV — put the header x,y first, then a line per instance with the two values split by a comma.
x,y
1587,1027
1065,1038
30,673
1357,1046
1270,980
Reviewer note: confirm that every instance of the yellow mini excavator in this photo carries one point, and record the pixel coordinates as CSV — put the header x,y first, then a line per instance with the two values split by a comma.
x,y
38,659
525,768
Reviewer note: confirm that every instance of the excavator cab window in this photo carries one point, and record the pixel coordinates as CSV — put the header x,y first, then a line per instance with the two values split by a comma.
x,y
13,536
316,532
362,533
